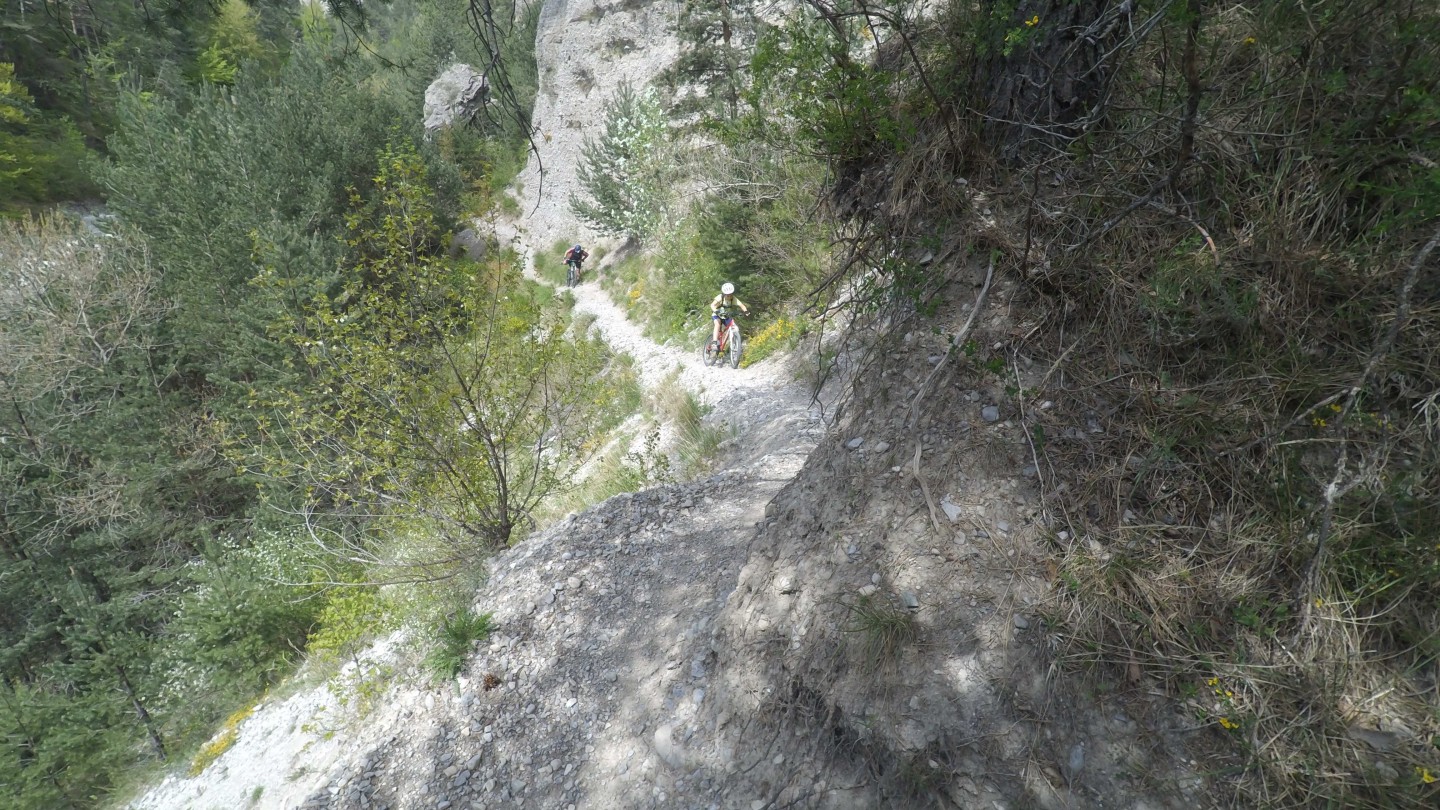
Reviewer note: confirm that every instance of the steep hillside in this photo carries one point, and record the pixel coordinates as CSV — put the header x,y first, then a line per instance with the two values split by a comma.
x,y
995,569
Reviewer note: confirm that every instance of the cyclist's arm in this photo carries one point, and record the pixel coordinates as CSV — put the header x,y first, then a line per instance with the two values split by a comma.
x,y
742,306
715,304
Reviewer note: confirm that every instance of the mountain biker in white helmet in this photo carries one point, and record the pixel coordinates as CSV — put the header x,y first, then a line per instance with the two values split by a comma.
x,y
724,301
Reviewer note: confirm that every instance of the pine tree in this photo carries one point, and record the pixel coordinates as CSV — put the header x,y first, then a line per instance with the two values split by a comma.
x,y
716,41
627,170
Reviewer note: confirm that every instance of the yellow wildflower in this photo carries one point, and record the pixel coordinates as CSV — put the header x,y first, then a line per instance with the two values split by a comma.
x,y
1228,724
1033,21
1425,775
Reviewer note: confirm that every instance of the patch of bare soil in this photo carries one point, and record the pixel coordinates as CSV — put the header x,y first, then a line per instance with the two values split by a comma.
x,y
893,620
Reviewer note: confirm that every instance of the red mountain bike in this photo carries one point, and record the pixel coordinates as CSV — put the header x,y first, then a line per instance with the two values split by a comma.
x,y
730,343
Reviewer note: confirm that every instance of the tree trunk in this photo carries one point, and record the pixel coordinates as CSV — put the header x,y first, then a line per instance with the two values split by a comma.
x,y
155,742
1042,74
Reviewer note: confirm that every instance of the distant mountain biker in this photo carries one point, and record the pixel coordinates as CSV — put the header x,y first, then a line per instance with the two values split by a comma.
x,y
719,310
576,255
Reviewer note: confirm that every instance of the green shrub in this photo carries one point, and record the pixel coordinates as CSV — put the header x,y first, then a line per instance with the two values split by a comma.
x,y
628,173
453,641
884,629
778,335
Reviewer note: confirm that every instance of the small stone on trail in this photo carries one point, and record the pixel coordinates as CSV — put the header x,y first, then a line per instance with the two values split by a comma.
x,y
881,447
1021,622
951,510
990,413
868,590
854,444
1003,525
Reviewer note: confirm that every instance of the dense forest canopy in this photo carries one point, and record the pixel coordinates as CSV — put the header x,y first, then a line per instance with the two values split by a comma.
x,y
152,575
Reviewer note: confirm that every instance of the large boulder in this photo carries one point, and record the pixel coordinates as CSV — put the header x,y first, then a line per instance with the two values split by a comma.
x,y
468,243
454,97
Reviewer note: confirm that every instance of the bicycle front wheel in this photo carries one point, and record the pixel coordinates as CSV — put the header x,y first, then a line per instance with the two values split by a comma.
x,y
735,347
573,276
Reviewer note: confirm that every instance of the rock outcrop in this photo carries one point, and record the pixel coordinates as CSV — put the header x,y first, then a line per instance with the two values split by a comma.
x,y
455,96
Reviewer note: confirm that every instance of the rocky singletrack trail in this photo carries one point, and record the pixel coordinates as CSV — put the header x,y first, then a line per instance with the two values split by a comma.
x,y
693,645
586,694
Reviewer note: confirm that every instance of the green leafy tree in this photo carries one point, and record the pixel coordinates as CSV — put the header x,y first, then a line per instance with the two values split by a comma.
x,y
628,172
437,392
40,153
234,39
85,581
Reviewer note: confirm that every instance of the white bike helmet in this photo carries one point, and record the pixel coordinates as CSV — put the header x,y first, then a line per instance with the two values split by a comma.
x,y
727,289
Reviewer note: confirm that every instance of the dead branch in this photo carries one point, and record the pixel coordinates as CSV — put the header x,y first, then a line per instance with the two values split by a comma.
x,y
1338,486
955,340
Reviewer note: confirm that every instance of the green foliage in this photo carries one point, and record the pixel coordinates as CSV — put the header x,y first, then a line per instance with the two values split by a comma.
x,y
238,624
551,265
64,744
240,179
698,442
714,58
627,173
768,249
839,106
233,40
144,596
454,640
779,335
884,629
354,613
434,389
40,153
211,751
